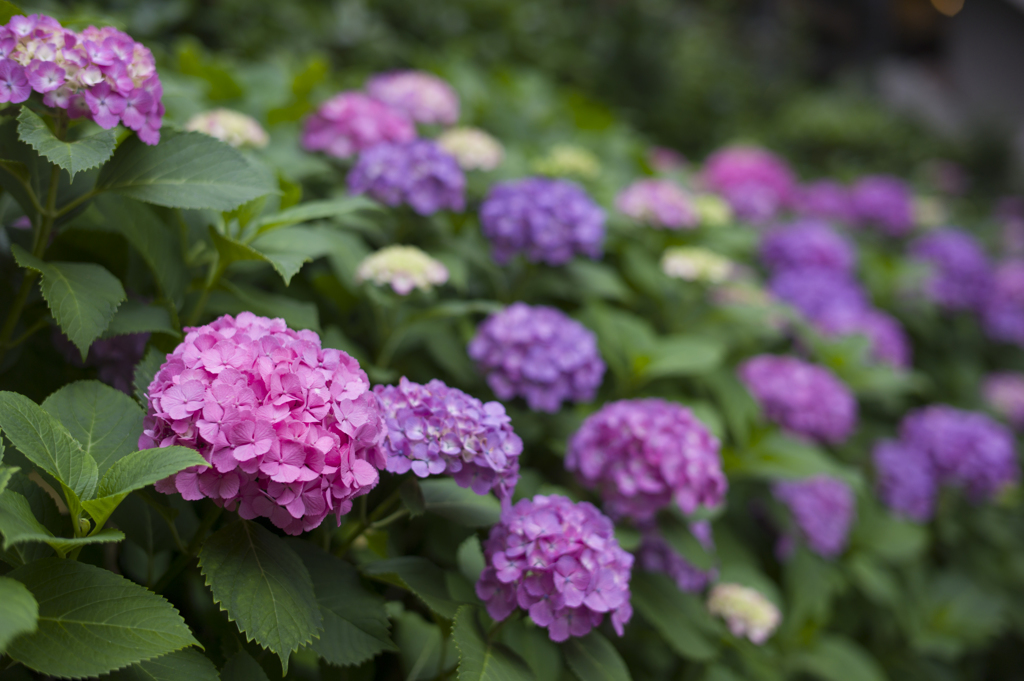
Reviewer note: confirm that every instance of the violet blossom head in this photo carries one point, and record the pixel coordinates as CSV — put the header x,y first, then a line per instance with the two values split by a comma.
x,y
960,271
1004,394
351,122
434,429
804,399
887,340
538,353
642,455
114,358
824,200
559,561
756,183
101,73
824,509
658,203
1003,311
418,173
813,291
293,431
657,555
421,96
547,220
884,202
905,479
807,244
746,611
967,449
404,268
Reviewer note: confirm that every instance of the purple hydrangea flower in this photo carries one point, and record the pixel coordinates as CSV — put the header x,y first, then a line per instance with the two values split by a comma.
x,y
433,429
423,97
824,510
824,200
814,291
418,173
546,220
888,341
113,358
804,399
1003,311
559,561
351,122
292,431
538,353
658,203
756,183
656,555
885,202
807,244
1004,393
644,454
960,276
906,479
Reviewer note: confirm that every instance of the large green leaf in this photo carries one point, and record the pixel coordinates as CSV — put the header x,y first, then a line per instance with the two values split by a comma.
x,y
778,456
137,317
82,296
186,170
355,622
45,511
680,618
6,473
680,355
425,650
19,611
677,533
419,576
92,621
73,157
263,586
241,667
836,658
593,658
19,526
47,443
105,421
316,210
299,314
444,497
288,249
187,664
480,658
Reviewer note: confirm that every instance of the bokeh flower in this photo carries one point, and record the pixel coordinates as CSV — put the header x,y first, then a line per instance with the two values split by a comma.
x,y
888,342
473,148
813,291
1003,311
568,160
658,203
351,122
824,509
960,274
807,244
905,478
423,97
419,173
657,555
1004,394
233,127
692,263
884,202
745,611
712,210
824,200
404,268
756,183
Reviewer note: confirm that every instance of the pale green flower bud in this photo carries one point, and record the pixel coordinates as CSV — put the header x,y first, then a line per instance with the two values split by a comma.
x,y
568,160
713,210
403,268
695,264
231,127
745,610
472,148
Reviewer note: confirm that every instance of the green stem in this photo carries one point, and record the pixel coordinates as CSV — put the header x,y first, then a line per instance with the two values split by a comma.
x,y
365,524
41,324
182,561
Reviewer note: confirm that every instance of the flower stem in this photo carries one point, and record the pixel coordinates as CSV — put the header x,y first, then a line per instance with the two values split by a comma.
x,y
182,561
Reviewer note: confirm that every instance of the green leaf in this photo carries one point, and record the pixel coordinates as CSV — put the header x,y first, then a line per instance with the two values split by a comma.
x,y
6,473
288,249
82,296
104,420
19,526
424,649
146,370
181,665
412,496
263,586
73,157
298,314
231,250
18,611
137,317
186,170
481,659
836,658
44,510
681,355
419,576
316,210
444,497
470,558
241,667
891,539
355,622
778,456
676,532
8,10
675,615
593,658
92,621
533,645
47,443
596,279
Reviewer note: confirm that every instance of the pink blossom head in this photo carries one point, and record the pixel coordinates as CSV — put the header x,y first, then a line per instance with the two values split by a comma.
x,y
351,122
1004,394
756,183
824,509
559,561
658,203
421,96
642,455
292,430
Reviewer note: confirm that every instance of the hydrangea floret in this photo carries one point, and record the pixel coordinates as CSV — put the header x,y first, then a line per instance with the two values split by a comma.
x,y
559,561
757,184
404,268
658,203
692,263
435,429
423,97
746,611
419,174
473,148
292,430
233,127
824,509
351,122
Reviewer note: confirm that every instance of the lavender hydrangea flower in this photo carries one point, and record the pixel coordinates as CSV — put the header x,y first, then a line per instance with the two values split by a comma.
x,y
824,200
807,244
417,173
746,611
885,202
656,555
422,96
644,454
538,353
658,203
824,509
351,122
804,399
1004,393
113,358
906,480
434,429
888,341
1003,311
814,291
559,561
756,183
960,276
546,220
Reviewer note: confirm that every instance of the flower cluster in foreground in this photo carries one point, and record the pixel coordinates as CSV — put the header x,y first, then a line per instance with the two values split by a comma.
x,y
745,610
559,561
418,173
404,268
292,430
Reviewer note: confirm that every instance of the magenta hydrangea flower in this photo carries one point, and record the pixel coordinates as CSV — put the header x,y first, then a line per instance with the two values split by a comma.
x,y
546,220
1004,394
643,454
756,183
961,272
824,509
813,291
807,244
351,122
888,341
656,555
802,398
885,202
292,430
1003,310
540,354
434,429
100,73
418,173
905,478
658,203
824,200
422,96
559,561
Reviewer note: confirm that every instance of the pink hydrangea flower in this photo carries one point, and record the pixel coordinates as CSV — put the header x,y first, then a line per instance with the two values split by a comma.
x,y
421,96
756,183
659,203
292,430
351,122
